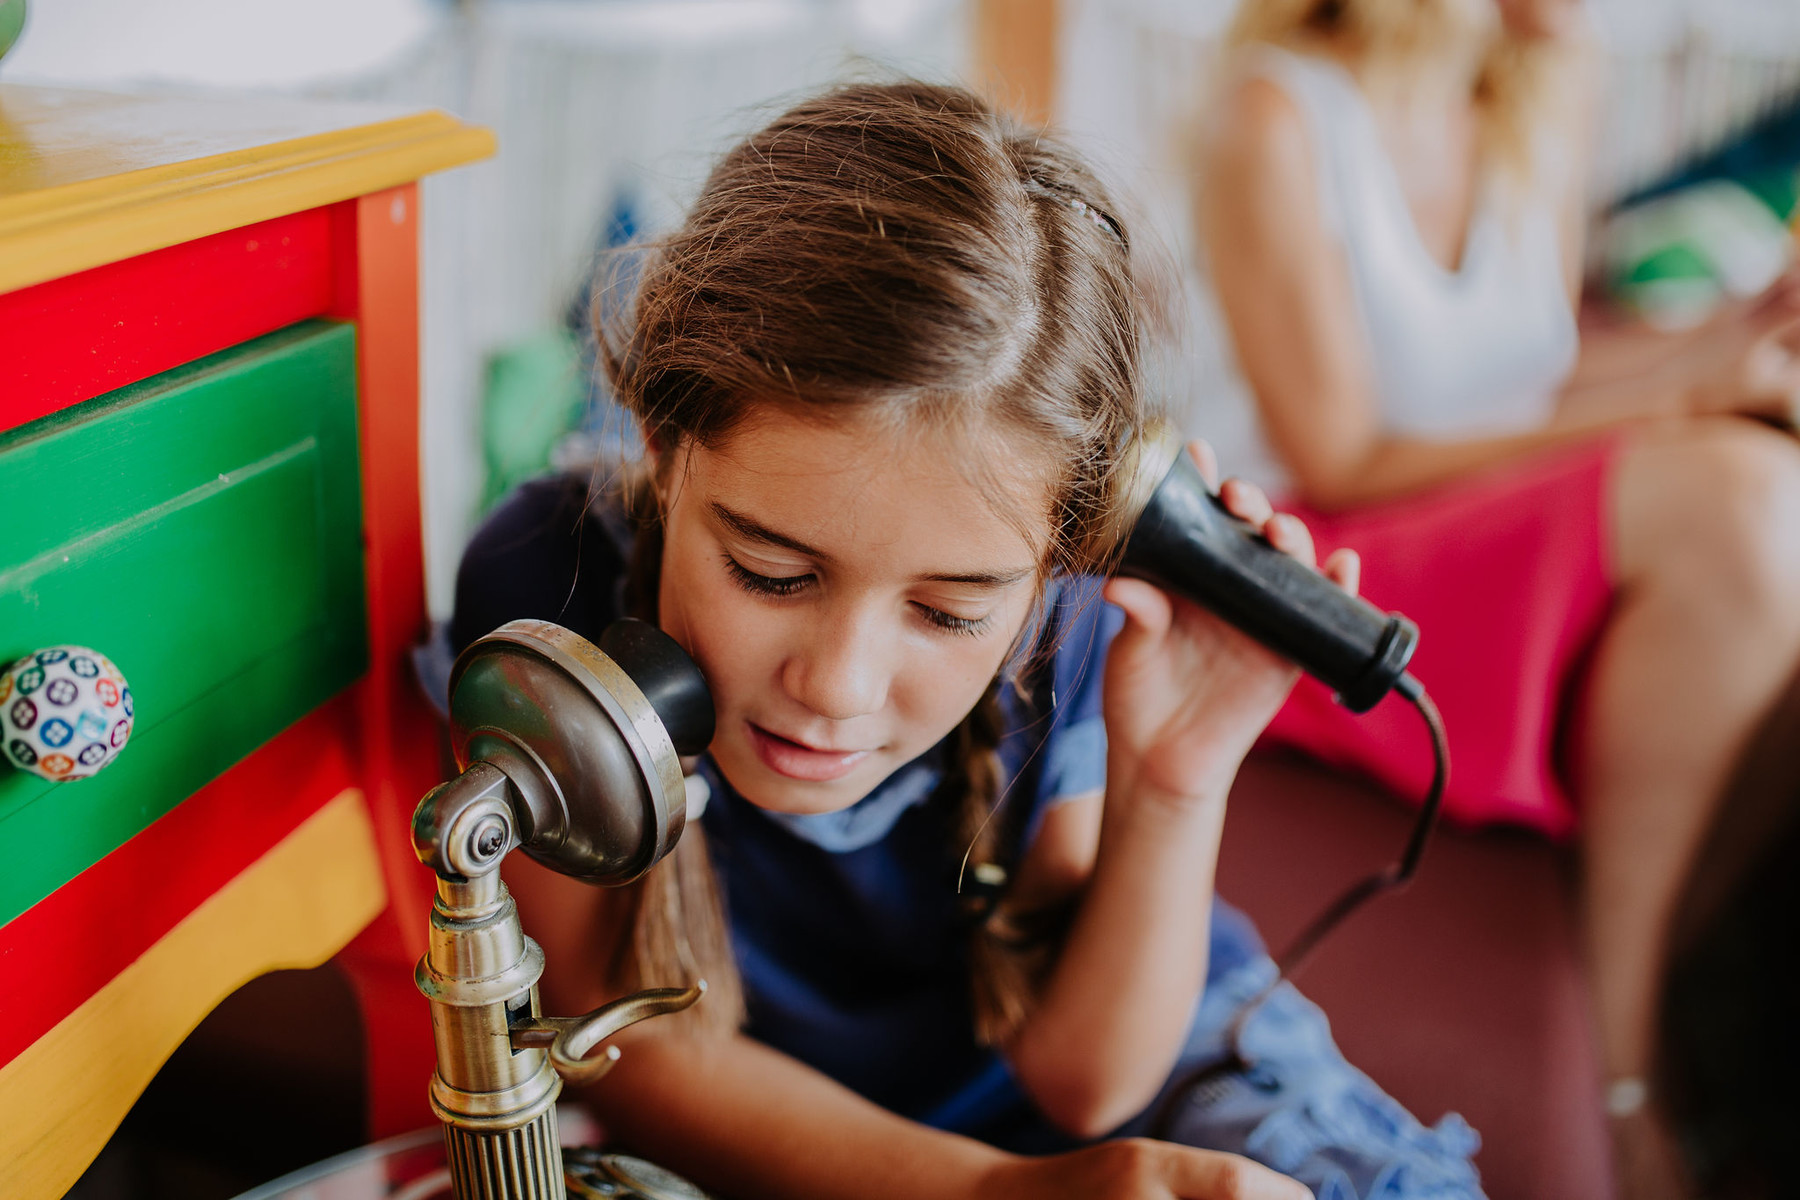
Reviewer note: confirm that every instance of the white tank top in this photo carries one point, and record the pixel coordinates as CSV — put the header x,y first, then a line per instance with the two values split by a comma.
x,y
1476,351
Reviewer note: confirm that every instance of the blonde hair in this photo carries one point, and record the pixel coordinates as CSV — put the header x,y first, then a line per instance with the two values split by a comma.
x,y
1514,90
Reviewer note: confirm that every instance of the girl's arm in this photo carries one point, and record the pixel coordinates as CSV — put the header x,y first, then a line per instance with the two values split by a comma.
x,y
757,1125
1185,699
753,1123
1113,1014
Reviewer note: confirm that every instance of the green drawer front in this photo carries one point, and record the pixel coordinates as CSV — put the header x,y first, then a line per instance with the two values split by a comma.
x,y
203,530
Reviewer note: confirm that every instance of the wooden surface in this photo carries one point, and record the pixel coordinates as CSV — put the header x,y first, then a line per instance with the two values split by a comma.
x,y
83,934
376,285
1463,992
203,531
137,235
88,178
294,907
67,340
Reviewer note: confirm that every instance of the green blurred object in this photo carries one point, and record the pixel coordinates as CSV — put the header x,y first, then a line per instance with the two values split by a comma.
x,y
1674,258
536,393
12,20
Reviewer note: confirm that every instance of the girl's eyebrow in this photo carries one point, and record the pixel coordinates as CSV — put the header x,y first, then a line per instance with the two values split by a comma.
x,y
993,579
747,527
743,526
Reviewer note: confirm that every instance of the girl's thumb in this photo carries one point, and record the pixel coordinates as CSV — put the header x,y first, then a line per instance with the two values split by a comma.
x,y
1148,611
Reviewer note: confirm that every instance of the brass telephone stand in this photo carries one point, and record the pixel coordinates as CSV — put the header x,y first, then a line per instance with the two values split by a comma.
x,y
572,753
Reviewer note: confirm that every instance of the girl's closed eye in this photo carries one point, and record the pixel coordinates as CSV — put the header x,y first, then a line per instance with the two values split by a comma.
x,y
765,585
951,623
759,584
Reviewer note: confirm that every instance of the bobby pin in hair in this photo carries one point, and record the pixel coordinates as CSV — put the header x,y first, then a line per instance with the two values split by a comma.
x,y
1086,211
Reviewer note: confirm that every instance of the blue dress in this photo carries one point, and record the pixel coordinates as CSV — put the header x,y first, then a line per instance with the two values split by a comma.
x,y
848,931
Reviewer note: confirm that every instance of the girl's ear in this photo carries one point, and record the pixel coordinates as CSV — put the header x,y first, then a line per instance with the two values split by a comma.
x,y
663,455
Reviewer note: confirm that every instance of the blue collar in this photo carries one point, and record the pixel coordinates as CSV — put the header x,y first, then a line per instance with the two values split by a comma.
x,y
869,819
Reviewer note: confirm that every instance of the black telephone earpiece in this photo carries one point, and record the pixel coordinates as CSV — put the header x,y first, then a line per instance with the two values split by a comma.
x,y
1184,541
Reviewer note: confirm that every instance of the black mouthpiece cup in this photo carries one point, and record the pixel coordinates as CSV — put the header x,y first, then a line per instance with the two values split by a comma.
x,y
669,679
1186,543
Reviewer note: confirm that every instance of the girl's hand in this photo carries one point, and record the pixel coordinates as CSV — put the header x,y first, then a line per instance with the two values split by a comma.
x,y
1186,694
1139,1169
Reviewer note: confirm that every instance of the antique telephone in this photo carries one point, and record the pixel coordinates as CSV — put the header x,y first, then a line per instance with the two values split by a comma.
x,y
571,752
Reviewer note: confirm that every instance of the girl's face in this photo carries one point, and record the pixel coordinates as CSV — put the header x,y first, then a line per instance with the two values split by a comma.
x,y
848,595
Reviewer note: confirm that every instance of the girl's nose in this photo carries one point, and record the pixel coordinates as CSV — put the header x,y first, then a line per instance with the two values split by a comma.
x,y
838,669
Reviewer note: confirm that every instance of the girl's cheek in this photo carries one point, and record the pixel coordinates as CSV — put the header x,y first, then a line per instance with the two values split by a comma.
x,y
725,630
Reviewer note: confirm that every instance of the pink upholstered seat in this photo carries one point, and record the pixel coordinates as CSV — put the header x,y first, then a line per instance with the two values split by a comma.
x,y
1464,992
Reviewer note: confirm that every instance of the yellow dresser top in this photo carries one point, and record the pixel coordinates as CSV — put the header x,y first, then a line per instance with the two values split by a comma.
x,y
89,177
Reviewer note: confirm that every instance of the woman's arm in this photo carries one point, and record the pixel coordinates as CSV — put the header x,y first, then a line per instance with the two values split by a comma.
x,y
1284,288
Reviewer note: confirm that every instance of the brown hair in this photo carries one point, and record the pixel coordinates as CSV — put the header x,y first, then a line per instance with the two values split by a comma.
x,y
900,251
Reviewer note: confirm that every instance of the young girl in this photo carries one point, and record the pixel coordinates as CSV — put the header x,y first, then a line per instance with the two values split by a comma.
x,y
885,374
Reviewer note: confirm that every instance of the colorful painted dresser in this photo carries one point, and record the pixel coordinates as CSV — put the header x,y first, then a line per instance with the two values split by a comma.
x,y
209,472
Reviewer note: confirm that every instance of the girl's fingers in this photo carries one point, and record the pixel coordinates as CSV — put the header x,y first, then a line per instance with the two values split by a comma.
x,y
1344,568
1290,535
1285,532
1246,501
1202,453
1207,1174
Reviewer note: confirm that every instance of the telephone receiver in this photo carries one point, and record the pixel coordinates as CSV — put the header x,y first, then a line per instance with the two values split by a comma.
x,y
1184,541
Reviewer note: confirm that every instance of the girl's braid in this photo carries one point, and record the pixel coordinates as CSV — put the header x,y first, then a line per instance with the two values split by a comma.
x,y
1009,953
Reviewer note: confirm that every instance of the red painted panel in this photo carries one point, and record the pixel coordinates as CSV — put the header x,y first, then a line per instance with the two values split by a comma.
x,y
377,244
71,339
65,948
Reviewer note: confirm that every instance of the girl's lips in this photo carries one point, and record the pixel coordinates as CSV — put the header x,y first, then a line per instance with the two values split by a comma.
x,y
796,761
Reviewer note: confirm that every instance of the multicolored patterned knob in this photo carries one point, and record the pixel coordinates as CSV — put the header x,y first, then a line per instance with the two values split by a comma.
x,y
65,712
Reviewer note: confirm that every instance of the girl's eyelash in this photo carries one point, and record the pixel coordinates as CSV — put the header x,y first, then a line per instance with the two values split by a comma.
x,y
950,624
787,585
764,585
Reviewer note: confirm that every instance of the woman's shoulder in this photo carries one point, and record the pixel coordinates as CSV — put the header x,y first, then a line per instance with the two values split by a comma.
x,y
1253,112
549,552
1257,152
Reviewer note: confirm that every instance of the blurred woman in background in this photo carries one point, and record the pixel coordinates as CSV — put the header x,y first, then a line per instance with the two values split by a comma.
x,y
1603,553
